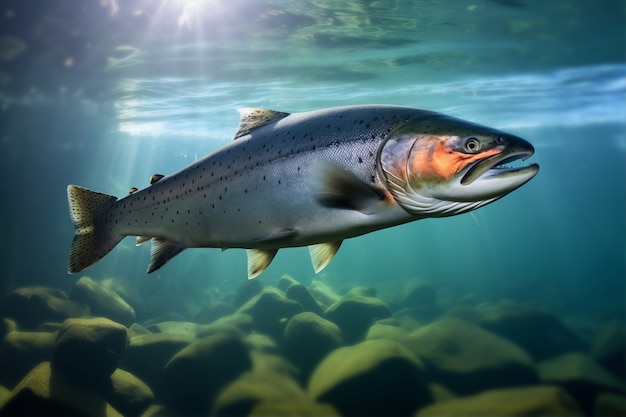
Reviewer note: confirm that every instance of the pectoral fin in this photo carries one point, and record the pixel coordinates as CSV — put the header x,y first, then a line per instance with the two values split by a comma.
x,y
258,260
338,188
322,253
161,252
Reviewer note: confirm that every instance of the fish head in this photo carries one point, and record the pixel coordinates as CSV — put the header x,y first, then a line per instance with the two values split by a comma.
x,y
437,165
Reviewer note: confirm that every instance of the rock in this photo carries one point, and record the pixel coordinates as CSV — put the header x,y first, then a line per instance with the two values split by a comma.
x,y
403,320
386,331
261,342
465,312
165,317
46,391
8,326
610,405
301,294
90,348
308,338
248,290
354,315
234,324
263,362
158,410
137,329
440,393
185,328
362,292
468,359
245,322
522,402
4,394
285,282
49,327
299,409
253,388
270,310
581,376
21,351
610,349
31,306
323,293
147,355
213,311
127,393
197,373
420,292
372,378
102,301
538,331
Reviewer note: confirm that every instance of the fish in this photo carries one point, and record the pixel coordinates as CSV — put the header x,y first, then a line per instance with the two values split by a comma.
x,y
308,179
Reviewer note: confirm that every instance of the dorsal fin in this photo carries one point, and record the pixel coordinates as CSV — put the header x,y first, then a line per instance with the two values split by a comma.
x,y
251,118
132,190
155,178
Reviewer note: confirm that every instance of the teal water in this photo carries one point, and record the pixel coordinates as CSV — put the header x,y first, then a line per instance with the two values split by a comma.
x,y
106,93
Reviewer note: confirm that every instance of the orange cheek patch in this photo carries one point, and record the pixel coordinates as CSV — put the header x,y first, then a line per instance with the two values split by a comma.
x,y
432,160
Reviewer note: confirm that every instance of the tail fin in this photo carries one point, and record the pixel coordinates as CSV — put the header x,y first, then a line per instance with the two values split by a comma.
x,y
92,240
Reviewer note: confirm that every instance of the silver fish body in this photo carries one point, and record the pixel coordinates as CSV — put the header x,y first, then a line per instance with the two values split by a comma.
x,y
301,179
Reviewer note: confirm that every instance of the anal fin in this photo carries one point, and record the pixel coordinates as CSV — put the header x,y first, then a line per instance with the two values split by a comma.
x,y
162,251
322,254
258,260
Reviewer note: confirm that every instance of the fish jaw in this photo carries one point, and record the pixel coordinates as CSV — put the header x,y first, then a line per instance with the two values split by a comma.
x,y
453,169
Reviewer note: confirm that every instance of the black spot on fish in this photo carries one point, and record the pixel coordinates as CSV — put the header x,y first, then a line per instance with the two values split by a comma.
x,y
360,160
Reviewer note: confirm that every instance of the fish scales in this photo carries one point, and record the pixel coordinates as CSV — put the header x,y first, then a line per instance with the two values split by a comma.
x,y
306,179
259,184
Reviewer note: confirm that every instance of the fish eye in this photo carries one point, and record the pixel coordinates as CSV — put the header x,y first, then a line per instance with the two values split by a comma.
x,y
472,144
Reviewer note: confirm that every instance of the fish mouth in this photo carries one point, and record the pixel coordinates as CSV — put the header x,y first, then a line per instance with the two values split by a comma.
x,y
496,167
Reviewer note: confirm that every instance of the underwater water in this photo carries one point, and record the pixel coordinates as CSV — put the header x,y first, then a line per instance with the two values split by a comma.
x,y
104,94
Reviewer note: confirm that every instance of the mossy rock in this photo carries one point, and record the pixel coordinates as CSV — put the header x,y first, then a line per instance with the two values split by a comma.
x,y
21,351
610,405
212,311
246,291
386,331
31,306
609,349
102,301
468,359
536,330
372,378
253,388
512,402
127,393
147,355
293,409
355,314
308,338
270,310
197,373
47,391
90,348
301,294
581,376
285,282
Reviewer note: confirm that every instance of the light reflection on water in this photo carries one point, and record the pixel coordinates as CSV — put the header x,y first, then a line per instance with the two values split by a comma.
x,y
169,106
